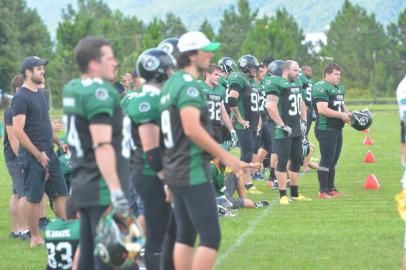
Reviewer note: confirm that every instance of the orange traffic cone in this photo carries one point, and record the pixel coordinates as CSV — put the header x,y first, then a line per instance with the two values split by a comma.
x,y
369,158
365,130
368,141
371,182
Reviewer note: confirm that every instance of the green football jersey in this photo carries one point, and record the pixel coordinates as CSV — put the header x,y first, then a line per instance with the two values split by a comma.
x,y
262,99
143,108
214,98
288,106
248,101
61,240
306,89
94,101
185,163
126,99
217,178
334,95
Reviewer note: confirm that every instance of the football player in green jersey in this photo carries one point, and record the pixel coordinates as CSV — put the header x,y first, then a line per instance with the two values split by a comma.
x,y
244,103
62,239
275,69
328,96
227,65
287,110
155,66
306,79
188,149
99,140
215,94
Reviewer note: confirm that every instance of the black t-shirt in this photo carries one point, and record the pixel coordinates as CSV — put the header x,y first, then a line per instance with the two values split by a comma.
x,y
8,121
34,106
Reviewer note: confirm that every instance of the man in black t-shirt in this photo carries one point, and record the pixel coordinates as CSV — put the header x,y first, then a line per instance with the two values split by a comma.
x,y
32,128
19,227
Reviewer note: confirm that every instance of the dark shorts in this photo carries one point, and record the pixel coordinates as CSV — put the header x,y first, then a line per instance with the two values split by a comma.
x,y
196,213
218,134
34,177
289,149
266,136
136,203
17,177
247,140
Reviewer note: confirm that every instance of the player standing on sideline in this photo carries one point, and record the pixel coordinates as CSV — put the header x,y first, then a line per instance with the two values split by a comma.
x,y
185,124
32,128
401,198
155,66
215,94
306,79
328,97
286,108
99,141
275,70
227,65
244,104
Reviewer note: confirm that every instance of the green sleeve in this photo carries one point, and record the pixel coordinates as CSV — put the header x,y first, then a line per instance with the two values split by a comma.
x,y
236,78
275,89
319,93
266,82
102,100
190,95
143,110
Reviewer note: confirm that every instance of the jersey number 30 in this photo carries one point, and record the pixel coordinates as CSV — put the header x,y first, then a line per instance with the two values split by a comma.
x,y
295,104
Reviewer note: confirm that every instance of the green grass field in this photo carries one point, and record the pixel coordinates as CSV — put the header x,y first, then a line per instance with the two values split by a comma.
x,y
359,231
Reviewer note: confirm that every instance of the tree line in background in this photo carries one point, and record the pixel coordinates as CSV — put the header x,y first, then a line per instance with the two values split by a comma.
x,y
373,58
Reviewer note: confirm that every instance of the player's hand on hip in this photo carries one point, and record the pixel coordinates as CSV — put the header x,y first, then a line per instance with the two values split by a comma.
x,y
245,124
43,159
287,129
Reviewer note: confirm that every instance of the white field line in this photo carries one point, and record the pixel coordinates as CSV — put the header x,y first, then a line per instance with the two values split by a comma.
x,y
243,236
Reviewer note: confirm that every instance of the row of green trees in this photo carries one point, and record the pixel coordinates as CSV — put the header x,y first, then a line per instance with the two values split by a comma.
x,y
372,57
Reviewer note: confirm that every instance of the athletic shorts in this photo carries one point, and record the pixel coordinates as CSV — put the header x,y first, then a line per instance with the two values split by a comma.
x,y
34,177
247,140
17,177
266,134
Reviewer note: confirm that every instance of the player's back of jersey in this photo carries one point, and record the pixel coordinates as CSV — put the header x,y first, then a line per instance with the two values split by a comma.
x,y
83,101
61,240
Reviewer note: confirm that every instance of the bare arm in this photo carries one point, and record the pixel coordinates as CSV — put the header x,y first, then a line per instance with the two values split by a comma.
x,y
272,107
235,110
23,139
303,111
105,154
12,139
190,117
226,118
149,136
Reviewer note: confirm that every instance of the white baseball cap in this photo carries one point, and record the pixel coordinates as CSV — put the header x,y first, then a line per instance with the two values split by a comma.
x,y
196,41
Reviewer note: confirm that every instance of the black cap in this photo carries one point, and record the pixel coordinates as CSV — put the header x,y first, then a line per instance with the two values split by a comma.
x,y
32,61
